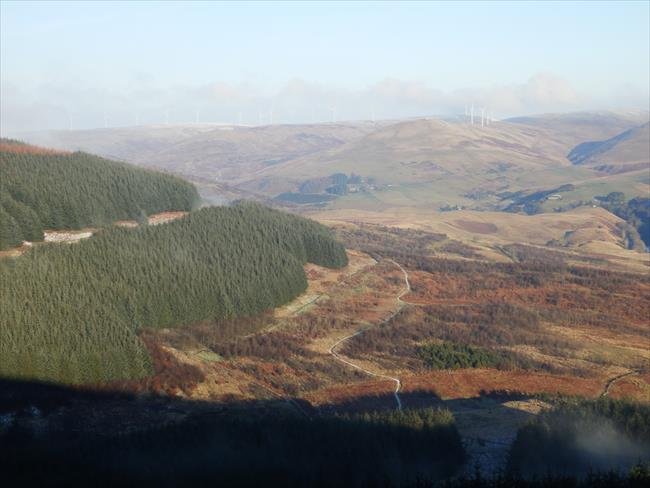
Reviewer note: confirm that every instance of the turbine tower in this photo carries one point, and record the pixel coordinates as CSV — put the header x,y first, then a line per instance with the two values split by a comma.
x,y
482,116
472,114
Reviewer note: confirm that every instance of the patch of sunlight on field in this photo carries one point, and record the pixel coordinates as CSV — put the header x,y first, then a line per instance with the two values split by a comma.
x,y
209,356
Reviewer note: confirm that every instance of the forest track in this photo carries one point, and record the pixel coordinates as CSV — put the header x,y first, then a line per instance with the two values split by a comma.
x,y
314,300
612,381
400,304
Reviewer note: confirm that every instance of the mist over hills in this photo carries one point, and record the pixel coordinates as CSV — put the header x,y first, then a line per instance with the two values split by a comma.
x,y
576,127
223,151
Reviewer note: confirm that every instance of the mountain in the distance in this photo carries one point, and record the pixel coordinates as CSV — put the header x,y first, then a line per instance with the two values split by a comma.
x,y
417,150
428,161
574,128
628,151
208,151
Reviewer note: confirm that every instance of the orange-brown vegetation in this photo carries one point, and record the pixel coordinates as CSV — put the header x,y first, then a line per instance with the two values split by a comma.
x,y
28,149
477,227
569,329
474,382
634,386
171,376
365,395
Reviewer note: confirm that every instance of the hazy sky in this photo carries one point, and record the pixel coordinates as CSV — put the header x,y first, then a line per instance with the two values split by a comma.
x,y
95,64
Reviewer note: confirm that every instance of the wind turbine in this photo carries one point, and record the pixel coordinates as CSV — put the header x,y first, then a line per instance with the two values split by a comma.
x,y
482,116
333,110
472,114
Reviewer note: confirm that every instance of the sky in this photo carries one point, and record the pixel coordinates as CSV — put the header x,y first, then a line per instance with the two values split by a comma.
x,y
85,65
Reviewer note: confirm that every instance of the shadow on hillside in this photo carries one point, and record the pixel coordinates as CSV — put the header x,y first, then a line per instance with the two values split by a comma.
x,y
106,412
74,435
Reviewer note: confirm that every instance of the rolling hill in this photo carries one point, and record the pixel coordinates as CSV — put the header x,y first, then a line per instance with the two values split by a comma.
x,y
429,163
628,151
424,148
572,129
214,151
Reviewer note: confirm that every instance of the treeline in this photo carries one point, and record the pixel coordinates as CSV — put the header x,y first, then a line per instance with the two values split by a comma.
x,y
40,190
635,212
70,313
246,449
579,435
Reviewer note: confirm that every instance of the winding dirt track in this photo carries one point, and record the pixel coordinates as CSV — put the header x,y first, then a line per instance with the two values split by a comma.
x,y
612,381
400,305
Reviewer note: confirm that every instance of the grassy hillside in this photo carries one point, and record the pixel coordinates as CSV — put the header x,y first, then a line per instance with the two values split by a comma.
x,y
436,163
71,313
425,148
43,189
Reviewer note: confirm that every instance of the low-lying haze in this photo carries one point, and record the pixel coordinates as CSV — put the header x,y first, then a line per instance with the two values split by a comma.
x,y
71,65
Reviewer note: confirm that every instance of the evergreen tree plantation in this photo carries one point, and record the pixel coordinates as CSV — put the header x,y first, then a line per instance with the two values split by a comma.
x,y
71,313
48,190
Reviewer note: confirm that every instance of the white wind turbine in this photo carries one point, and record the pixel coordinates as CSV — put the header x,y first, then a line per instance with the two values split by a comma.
x,y
333,110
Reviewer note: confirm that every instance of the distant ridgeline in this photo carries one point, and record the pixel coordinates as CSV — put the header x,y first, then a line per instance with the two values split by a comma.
x,y
71,313
44,189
